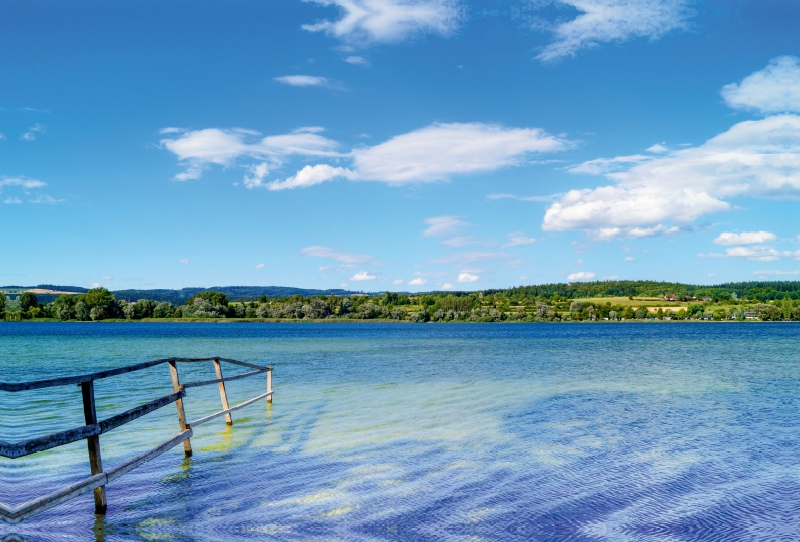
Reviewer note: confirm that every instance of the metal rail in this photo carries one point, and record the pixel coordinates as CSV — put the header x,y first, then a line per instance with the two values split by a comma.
x,y
93,428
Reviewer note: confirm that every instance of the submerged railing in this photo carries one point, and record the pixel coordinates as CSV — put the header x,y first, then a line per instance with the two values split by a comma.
x,y
94,428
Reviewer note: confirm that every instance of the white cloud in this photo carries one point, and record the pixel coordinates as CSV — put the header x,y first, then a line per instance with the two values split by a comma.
x,y
447,286
199,148
466,277
388,21
614,21
630,259
397,281
417,282
458,242
358,61
171,130
46,199
754,158
599,166
260,266
754,253
256,177
439,226
32,132
21,181
583,275
657,148
304,81
775,89
439,151
777,272
12,200
518,239
311,175
362,275
350,258
185,262
746,238
2,137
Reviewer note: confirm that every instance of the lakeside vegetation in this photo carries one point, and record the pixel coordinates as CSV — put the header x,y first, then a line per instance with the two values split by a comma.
x,y
591,301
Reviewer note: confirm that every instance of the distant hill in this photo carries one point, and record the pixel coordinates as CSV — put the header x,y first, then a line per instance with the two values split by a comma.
x,y
234,293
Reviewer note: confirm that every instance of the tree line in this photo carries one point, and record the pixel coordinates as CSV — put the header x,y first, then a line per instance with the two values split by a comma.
x,y
515,304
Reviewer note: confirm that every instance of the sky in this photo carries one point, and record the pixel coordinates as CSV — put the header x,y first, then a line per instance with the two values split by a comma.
x,y
407,145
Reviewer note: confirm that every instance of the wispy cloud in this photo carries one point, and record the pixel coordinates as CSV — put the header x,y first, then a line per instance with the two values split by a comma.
x,y
518,239
603,21
777,272
459,242
469,257
260,266
358,61
754,253
306,81
45,199
24,182
33,132
12,201
368,21
350,258
439,151
524,198
441,226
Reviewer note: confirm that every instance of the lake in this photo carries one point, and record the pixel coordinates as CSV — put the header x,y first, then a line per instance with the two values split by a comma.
x,y
616,431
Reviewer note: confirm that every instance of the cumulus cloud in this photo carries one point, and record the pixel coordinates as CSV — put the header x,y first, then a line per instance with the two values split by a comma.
x,y
602,21
311,175
775,89
447,286
630,259
417,282
387,21
518,239
200,148
440,226
657,148
439,151
754,158
467,277
583,275
746,238
304,81
362,275
350,258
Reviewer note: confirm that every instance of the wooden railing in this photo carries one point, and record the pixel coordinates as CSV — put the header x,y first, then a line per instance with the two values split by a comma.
x,y
94,428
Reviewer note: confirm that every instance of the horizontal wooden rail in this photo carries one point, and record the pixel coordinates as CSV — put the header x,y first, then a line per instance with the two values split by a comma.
x,y
28,447
226,379
210,417
36,506
94,428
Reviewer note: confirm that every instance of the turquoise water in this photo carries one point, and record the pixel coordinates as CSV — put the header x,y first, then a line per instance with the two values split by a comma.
x,y
659,431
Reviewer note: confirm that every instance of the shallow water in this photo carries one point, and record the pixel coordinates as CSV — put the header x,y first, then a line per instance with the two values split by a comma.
x,y
640,431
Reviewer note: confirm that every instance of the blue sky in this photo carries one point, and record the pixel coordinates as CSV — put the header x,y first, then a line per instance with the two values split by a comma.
x,y
398,144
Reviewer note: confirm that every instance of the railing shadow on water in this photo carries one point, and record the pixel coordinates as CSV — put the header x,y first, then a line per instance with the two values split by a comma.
x,y
93,428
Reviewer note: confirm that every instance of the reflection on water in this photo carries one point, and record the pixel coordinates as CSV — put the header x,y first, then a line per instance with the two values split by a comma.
x,y
427,432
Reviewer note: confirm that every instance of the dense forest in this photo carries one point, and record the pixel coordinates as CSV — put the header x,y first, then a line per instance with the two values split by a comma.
x,y
586,301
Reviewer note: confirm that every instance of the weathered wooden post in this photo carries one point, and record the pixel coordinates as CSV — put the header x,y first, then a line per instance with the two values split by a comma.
x,y
95,461
222,394
269,385
176,386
